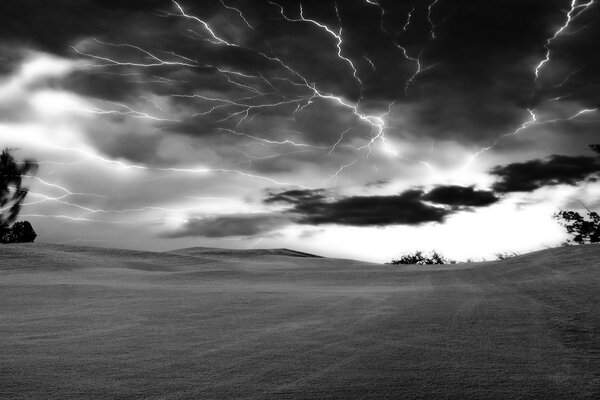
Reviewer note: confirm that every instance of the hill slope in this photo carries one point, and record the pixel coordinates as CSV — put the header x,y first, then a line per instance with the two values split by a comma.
x,y
245,253
99,323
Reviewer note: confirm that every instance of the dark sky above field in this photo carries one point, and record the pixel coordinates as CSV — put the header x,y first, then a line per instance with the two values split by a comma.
x,y
352,128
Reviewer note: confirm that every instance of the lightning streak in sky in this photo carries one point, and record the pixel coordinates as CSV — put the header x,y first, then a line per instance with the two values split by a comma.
x,y
337,36
532,121
408,19
208,29
381,13
575,10
338,141
417,71
431,24
239,12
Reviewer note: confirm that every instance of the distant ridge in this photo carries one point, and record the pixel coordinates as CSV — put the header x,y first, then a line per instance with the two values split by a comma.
x,y
216,251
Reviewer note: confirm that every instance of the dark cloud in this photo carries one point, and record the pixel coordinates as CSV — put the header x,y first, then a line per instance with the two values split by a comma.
x,y
54,27
488,52
460,196
407,208
554,170
229,225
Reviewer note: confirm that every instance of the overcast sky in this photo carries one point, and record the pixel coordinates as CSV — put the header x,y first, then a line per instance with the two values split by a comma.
x,y
358,129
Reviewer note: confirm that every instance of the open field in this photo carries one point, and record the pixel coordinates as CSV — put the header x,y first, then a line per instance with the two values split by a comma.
x,y
89,323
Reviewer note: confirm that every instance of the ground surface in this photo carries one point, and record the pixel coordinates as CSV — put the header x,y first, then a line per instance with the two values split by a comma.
x,y
91,323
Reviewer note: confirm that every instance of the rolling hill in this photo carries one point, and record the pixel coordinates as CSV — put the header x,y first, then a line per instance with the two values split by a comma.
x,y
200,323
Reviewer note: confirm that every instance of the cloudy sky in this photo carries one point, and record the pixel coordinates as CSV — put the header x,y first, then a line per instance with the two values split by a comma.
x,y
360,129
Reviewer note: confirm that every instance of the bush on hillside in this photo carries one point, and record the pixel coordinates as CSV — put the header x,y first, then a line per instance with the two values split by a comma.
x,y
506,255
419,258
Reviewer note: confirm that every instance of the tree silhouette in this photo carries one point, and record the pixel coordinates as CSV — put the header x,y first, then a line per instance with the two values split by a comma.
x,y
20,232
12,193
584,230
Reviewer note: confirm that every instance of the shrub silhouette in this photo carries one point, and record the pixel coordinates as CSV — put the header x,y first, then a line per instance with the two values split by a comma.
x,y
421,259
507,255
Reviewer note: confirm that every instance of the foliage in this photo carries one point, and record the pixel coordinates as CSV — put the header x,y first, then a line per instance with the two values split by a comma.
x,y
20,232
506,255
12,193
422,259
583,229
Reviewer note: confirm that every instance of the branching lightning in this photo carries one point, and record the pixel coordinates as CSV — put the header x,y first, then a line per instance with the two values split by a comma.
x,y
217,39
575,11
531,122
337,36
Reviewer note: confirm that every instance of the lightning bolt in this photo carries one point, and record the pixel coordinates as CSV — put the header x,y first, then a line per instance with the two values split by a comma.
x,y
207,28
417,71
381,13
532,121
129,112
338,141
337,36
62,188
408,19
430,20
371,63
239,12
155,60
262,140
335,176
575,11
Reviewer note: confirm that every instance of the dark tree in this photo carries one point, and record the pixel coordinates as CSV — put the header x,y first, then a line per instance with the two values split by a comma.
x,y
12,193
583,229
21,232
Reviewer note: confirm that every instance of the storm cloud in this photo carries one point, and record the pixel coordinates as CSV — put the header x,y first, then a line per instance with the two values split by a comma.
x,y
315,207
174,118
461,196
554,170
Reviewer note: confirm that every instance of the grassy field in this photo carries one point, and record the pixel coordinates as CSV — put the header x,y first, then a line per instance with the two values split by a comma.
x,y
89,323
